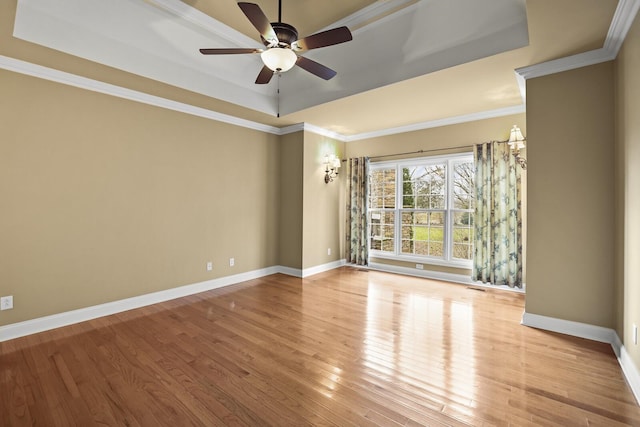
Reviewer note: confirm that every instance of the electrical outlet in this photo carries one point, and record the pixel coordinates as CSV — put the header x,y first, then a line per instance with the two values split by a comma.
x,y
6,303
328,251
419,266
635,334
209,266
232,262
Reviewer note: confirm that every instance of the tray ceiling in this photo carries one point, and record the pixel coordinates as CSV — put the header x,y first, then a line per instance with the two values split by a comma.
x,y
409,61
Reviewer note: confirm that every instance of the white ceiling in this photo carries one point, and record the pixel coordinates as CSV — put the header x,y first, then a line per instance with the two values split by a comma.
x,y
409,61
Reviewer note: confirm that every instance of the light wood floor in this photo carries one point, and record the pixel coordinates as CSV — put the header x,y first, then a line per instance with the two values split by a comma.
x,y
346,347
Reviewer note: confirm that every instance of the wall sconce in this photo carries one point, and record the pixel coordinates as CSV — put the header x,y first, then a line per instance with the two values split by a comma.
x,y
331,166
516,142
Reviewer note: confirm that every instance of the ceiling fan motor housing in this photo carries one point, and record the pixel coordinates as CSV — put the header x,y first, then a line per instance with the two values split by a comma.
x,y
287,34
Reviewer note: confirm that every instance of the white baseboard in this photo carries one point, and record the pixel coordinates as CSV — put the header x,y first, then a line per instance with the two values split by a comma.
x,y
295,272
592,332
435,275
576,329
631,372
46,323
322,268
41,324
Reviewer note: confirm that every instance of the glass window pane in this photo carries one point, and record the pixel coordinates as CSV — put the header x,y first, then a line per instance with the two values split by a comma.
x,y
389,201
381,230
382,188
436,249
423,233
408,181
421,218
420,233
388,245
375,203
463,220
422,202
436,201
375,245
462,235
424,187
462,251
436,218
463,185
422,248
408,202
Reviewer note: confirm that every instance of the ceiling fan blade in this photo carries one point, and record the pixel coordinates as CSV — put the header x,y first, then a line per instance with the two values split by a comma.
x,y
324,38
264,76
259,20
315,68
228,51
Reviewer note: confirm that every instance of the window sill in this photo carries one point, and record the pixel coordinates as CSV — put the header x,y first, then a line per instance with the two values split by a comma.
x,y
422,260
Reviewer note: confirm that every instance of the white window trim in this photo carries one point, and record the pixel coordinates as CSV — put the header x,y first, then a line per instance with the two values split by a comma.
x,y
447,261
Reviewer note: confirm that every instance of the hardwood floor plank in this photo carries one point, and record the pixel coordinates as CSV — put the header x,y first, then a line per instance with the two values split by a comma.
x,y
341,348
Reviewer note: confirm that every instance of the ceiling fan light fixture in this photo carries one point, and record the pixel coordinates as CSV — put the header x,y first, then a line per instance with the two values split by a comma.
x,y
279,59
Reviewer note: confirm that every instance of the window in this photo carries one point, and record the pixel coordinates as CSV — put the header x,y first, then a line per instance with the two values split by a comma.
x,y
422,209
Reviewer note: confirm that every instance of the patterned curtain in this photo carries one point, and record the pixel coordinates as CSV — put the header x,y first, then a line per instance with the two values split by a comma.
x,y
497,255
356,236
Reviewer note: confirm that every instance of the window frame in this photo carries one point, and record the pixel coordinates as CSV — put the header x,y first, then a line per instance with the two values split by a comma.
x,y
449,210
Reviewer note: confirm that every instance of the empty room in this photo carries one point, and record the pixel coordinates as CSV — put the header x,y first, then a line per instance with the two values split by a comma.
x,y
291,213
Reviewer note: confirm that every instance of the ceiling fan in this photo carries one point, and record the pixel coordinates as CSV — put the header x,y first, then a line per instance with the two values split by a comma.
x,y
281,41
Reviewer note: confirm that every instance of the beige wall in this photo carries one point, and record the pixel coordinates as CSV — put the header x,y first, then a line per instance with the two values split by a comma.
x,y
311,215
628,185
570,195
459,135
323,211
104,198
291,199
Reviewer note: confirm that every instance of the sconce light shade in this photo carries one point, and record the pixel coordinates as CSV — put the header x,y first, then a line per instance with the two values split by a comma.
x,y
279,59
336,163
516,140
331,165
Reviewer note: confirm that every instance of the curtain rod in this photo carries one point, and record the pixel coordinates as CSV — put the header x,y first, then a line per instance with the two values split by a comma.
x,y
427,151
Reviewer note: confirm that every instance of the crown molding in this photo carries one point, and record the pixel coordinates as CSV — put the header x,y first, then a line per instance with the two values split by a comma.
x,y
567,63
46,73
620,24
298,127
489,114
308,127
324,132
482,115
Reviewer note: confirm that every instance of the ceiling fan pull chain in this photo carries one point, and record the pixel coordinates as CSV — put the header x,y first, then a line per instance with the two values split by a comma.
x,y
278,95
